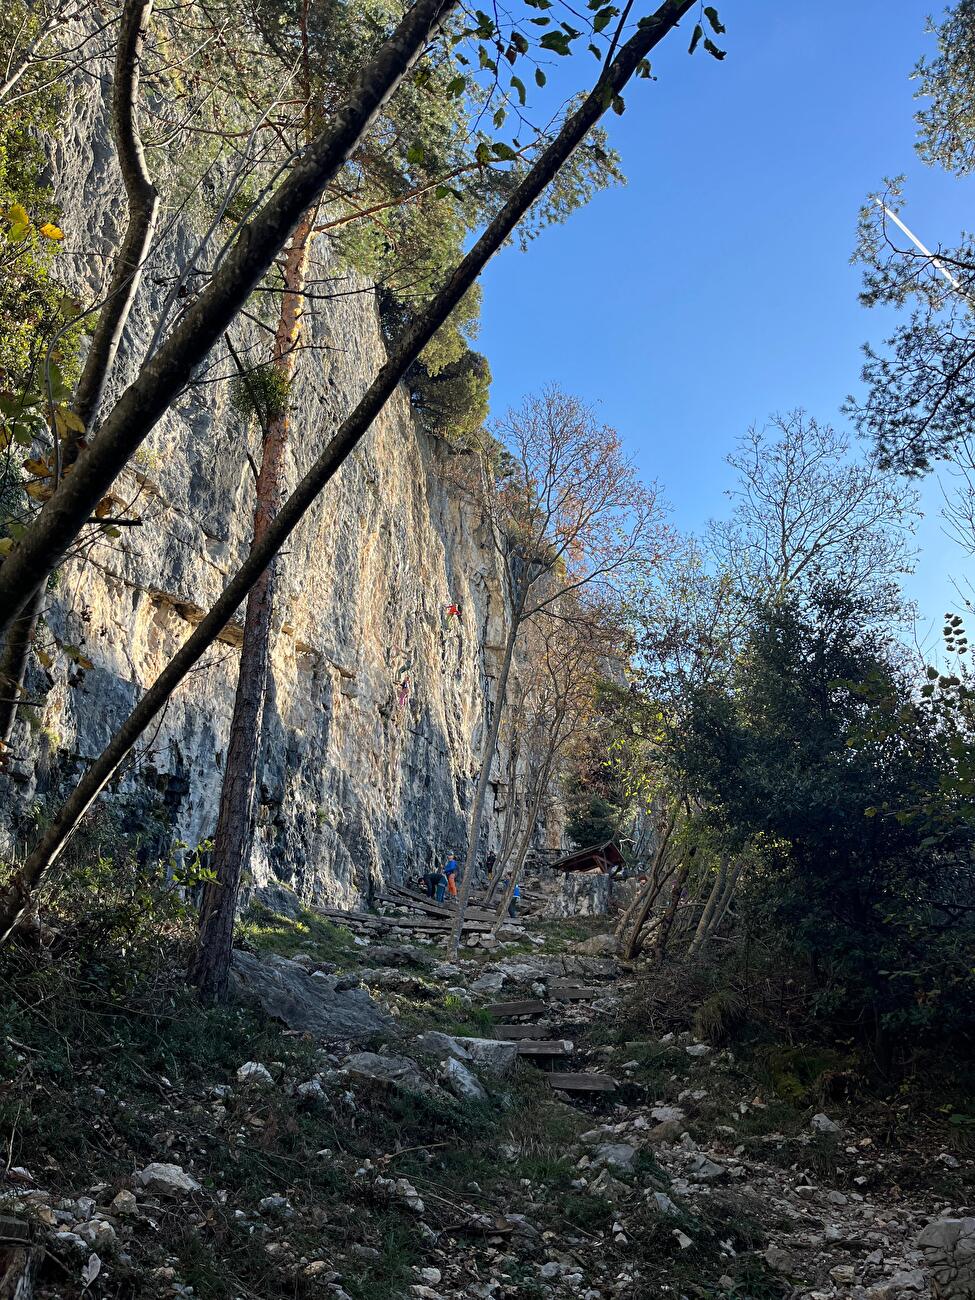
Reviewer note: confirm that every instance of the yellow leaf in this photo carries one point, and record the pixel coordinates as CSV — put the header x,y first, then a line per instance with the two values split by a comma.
x,y
17,215
39,468
43,658
6,545
51,231
73,420
103,508
39,491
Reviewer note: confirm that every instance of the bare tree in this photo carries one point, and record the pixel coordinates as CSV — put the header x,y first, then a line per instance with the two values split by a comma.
x,y
567,658
628,59
805,509
568,515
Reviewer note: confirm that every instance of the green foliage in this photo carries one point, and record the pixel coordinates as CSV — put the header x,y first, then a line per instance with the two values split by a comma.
x,y
798,761
34,308
720,1016
947,85
452,402
796,1073
593,819
261,392
920,386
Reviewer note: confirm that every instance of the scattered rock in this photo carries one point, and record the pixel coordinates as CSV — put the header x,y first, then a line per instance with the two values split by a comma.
x,y
600,945
458,1078
823,1124
617,1155
391,1071
124,1204
779,1260
702,1169
167,1180
254,1073
493,1055
667,1114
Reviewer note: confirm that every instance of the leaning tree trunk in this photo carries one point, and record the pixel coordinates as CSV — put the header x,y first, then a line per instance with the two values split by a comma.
x,y
142,199
13,665
721,908
635,916
15,896
234,836
519,860
670,914
714,897
206,319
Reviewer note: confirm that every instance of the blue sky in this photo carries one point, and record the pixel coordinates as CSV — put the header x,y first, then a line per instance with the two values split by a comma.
x,y
716,287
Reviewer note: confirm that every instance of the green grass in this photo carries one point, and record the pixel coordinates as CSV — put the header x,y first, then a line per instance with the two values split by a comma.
x,y
307,934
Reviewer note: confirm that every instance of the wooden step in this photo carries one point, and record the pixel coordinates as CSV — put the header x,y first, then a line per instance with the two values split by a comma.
x,y
407,898
531,1007
514,1032
400,897
581,1082
544,1047
423,924
574,993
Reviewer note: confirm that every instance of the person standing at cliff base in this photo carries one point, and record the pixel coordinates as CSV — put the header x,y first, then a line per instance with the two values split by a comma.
x,y
513,905
450,871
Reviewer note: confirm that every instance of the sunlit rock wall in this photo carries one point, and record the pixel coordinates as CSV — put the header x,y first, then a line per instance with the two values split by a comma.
x,y
355,784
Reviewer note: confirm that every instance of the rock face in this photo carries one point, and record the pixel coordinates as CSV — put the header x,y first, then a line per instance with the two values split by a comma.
x,y
357,785
949,1252
308,1003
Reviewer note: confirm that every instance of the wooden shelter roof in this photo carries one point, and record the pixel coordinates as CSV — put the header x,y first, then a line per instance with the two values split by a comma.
x,y
597,857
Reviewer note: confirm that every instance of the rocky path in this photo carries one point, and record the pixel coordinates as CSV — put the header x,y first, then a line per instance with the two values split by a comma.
x,y
605,1157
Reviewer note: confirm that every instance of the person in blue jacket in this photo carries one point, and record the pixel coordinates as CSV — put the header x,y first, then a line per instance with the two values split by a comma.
x,y
513,905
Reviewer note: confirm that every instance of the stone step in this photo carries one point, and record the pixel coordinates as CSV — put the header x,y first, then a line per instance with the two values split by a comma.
x,y
514,1032
581,1082
530,1007
544,1047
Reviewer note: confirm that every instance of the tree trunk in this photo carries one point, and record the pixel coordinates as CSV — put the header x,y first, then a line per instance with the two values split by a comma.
x,y
143,205
613,79
717,892
13,666
721,909
234,836
526,839
487,761
635,916
667,920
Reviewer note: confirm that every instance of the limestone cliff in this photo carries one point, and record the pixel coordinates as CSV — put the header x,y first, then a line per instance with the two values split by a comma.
x,y
355,782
